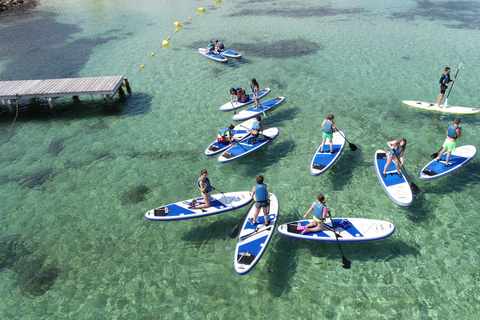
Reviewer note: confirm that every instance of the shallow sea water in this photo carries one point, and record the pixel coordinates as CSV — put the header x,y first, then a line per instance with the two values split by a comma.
x,y
75,187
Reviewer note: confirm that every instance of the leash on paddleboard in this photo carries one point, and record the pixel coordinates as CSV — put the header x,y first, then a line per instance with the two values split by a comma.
x,y
234,232
351,145
346,263
413,185
446,100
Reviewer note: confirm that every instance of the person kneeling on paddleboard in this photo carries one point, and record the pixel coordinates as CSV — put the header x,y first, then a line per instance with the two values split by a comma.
x,y
260,195
453,132
328,128
319,213
257,127
205,187
225,135
211,47
220,46
240,93
397,148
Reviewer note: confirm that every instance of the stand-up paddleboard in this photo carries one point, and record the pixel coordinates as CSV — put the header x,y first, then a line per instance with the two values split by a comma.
x,y
217,57
348,230
245,147
229,106
434,107
230,54
436,169
239,133
253,239
323,160
262,107
396,187
218,203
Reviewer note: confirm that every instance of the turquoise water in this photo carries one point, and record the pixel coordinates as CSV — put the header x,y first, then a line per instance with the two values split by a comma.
x,y
75,187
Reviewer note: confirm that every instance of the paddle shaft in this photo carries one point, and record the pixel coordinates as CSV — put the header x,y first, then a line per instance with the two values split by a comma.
x,y
352,146
414,186
346,262
234,232
450,90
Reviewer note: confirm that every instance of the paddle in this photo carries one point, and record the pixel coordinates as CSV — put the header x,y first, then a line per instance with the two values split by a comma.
x,y
434,155
234,232
262,109
413,185
351,145
234,110
346,262
446,100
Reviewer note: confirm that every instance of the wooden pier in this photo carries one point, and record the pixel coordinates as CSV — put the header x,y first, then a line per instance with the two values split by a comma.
x,y
50,89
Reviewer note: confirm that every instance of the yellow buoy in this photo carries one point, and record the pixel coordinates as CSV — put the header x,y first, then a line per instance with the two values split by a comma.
x,y
177,24
201,9
176,30
142,66
153,54
213,5
168,38
218,1
197,14
189,18
165,43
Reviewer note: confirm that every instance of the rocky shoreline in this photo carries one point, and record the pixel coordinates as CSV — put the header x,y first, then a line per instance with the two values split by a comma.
x,y
7,4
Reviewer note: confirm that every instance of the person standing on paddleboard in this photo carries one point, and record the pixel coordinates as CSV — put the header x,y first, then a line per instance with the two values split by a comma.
x,y
328,128
255,90
453,132
260,195
205,187
444,80
397,148
319,213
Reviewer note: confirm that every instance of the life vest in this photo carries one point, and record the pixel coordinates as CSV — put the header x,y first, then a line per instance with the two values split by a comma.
x,y
220,45
327,126
318,210
207,182
451,132
256,125
223,132
253,87
444,79
396,151
261,193
211,46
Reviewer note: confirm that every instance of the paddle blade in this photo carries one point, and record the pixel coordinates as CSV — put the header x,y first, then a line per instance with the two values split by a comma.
x,y
346,263
234,232
352,147
414,187
434,155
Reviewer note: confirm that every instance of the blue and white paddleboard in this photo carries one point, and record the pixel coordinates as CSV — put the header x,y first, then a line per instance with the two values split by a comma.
x,y
243,148
217,57
396,187
230,54
323,160
263,107
253,239
229,106
444,108
219,203
347,229
240,132
436,169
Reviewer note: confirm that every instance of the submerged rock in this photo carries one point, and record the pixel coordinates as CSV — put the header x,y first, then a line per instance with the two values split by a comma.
x,y
35,278
36,179
12,249
135,194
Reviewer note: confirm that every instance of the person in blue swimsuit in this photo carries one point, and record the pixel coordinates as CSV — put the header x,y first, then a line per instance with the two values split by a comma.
x,y
444,80
255,90
395,153
453,133
260,195
205,187
256,130
328,128
319,213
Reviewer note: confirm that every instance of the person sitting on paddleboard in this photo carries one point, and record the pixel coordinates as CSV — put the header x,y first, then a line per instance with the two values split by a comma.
x,y
211,47
397,148
319,213
260,195
257,127
328,128
239,93
255,90
225,135
444,80
205,187
453,132
220,46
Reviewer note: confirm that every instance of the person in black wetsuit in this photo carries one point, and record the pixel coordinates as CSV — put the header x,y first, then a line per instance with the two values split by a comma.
x,y
444,80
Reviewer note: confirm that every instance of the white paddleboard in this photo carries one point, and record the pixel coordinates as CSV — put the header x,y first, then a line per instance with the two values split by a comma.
x,y
253,239
230,54
436,169
322,161
217,57
262,108
245,147
240,132
434,107
396,187
219,203
347,229
229,106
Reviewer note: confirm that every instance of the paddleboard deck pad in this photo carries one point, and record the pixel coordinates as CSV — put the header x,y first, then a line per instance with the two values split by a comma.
x,y
239,133
446,109
253,239
436,169
347,229
181,210
229,106
322,161
230,54
216,57
396,187
246,146
263,107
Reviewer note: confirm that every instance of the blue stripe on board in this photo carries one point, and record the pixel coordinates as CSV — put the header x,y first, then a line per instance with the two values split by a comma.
x,y
325,158
391,179
253,247
439,167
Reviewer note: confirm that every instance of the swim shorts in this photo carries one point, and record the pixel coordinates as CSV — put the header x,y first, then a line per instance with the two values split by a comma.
x,y
443,88
327,135
261,204
449,145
